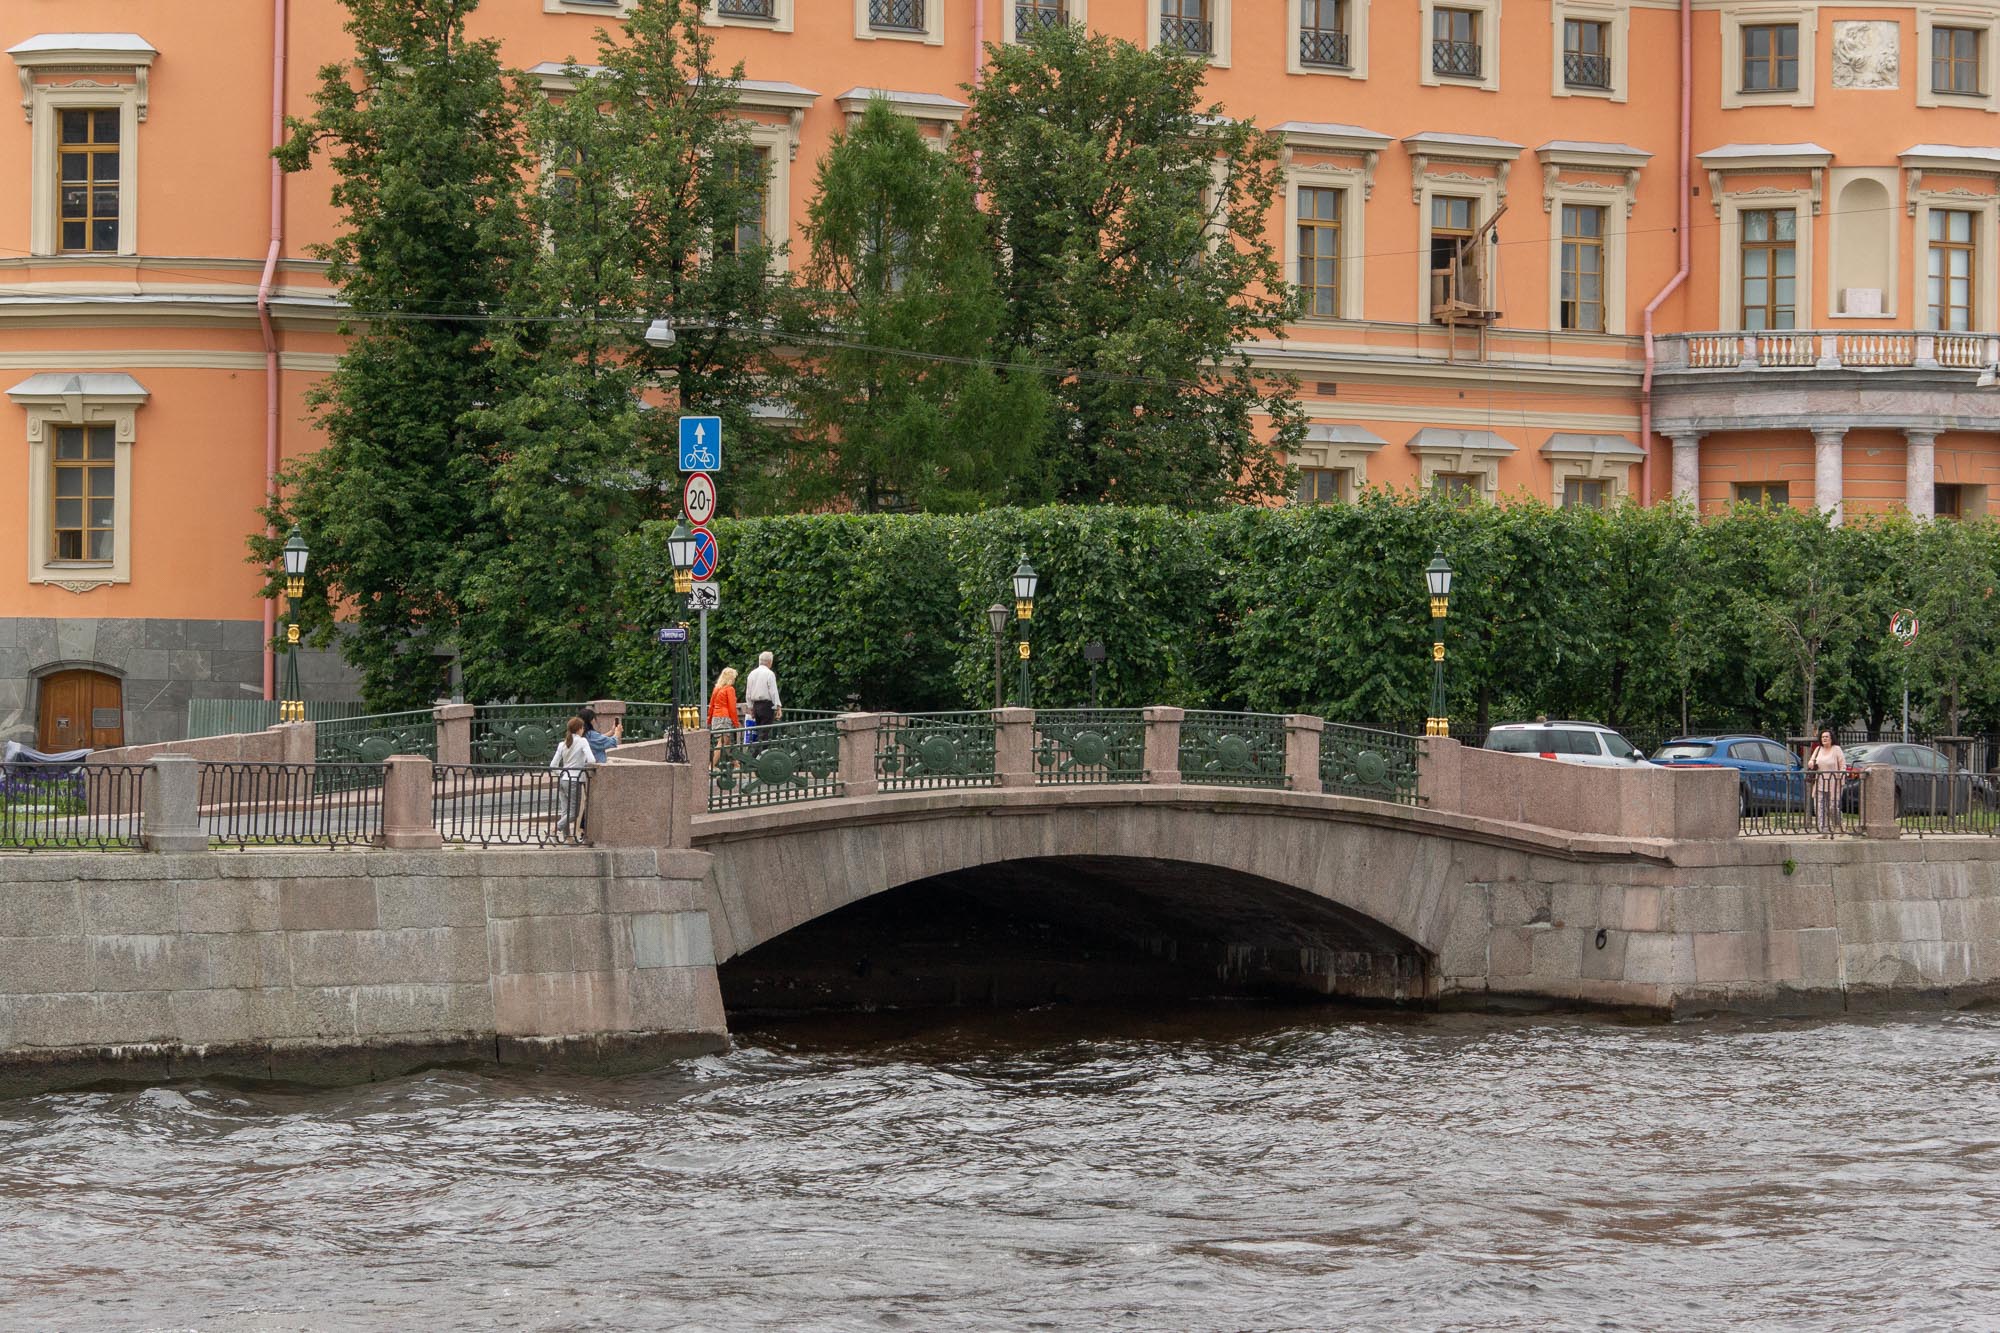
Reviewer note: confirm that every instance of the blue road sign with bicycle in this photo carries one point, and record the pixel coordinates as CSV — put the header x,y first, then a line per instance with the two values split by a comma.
x,y
701,444
707,555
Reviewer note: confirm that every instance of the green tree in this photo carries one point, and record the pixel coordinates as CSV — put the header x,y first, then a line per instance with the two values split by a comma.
x,y
894,402
1958,642
1134,254
421,129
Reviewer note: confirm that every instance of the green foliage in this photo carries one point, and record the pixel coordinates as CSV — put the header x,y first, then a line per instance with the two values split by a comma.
x,y
1133,253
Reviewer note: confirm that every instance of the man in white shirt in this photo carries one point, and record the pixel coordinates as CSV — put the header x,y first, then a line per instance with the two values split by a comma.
x,y
761,693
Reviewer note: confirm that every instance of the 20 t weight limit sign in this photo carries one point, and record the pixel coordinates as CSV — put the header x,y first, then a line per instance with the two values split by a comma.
x,y
698,498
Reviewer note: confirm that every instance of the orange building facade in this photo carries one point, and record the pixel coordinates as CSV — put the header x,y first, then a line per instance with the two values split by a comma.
x,y
1799,200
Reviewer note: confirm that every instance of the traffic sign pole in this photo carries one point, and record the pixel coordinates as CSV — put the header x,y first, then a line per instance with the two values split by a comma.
x,y
701,458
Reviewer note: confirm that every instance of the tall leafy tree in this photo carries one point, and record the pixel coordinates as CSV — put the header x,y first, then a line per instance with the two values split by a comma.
x,y
422,131
896,403
1135,255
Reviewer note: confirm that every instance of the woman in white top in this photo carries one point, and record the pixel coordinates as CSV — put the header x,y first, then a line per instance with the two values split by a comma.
x,y
1827,765
571,763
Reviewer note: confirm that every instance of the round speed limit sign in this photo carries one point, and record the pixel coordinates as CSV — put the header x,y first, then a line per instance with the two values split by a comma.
x,y
698,498
1903,626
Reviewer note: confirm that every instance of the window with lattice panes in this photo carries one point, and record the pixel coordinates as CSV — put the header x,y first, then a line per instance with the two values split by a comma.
x,y
1188,25
1323,34
1770,260
1770,57
1952,267
87,168
1586,53
84,494
1582,299
1455,49
1955,57
753,172
1319,250
1322,485
1584,493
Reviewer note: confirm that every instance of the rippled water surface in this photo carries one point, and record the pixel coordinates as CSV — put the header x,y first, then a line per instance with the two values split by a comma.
x,y
1208,1170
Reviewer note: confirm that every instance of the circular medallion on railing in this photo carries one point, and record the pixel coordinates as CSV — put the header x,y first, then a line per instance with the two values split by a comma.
x,y
531,738
374,749
1371,769
775,766
1234,752
939,755
1089,748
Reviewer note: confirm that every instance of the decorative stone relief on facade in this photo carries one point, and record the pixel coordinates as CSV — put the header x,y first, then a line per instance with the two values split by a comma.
x,y
1867,53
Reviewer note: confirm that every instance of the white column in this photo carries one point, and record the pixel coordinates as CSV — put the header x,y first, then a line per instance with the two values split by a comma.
x,y
1920,473
1687,468
1826,469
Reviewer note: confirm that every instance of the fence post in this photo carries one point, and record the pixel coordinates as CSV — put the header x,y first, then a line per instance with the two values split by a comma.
x,y
171,821
858,732
1878,804
1163,744
1014,746
454,732
633,803
407,817
691,798
1439,766
1303,734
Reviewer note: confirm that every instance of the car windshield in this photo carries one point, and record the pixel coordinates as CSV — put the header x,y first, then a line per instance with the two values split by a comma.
x,y
1686,750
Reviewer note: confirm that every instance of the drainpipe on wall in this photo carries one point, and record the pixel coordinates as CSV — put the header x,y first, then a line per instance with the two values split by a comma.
x,y
264,285
978,40
1680,275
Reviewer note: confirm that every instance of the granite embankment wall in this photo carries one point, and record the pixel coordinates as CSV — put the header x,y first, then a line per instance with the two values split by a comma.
x,y
343,965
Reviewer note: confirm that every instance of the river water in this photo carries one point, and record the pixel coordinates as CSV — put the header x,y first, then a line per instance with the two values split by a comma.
x,y
1203,1169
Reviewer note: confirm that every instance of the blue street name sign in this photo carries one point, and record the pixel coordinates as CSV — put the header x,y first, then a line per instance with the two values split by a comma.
x,y
701,444
673,634
707,555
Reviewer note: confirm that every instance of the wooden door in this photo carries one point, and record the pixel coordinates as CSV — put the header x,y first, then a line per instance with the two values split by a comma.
x,y
81,710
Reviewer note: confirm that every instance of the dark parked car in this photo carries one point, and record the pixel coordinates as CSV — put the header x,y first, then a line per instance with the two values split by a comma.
x,y
1927,782
1769,777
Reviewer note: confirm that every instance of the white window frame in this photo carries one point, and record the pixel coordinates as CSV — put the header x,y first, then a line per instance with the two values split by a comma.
x,y
932,35
1618,202
1220,57
1568,463
1352,182
1079,15
1733,24
1617,18
1489,44
1336,447
930,111
45,103
1729,267
780,20
1985,209
1475,460
53,400
1955,16
1486,190
775,142
1357,42
595,8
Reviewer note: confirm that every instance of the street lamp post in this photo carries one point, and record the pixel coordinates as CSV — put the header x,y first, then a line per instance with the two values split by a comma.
x,y
1025,581
996,617
291,700
680,554
1093,653
1437,575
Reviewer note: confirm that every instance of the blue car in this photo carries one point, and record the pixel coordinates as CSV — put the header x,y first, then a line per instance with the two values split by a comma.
x,y
1769,776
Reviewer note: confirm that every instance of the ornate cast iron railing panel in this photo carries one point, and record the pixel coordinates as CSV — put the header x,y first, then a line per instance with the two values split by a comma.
x,y
789,761
519,734
1032,16
1460,60
292,805
1361,761
1324,47
653,722
1195,36
1233,749
490,806
926,751
1081,746
1583,70
896,15
747,9
340,743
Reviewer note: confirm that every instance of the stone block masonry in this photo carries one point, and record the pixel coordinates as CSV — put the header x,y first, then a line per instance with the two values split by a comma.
x,y
332,966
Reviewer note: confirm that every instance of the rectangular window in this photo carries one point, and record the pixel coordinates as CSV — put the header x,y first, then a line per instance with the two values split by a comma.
x,y
1187,25
1323,33
1947,501
1586,53
1319,251
1583,268
87,181
85,487
1581,494
1952,268
1322,485
1455,43
1763,493
1771,58
1955,61
896,15
1455,485
1031,16
1454,218
1770,268
747,9
750,227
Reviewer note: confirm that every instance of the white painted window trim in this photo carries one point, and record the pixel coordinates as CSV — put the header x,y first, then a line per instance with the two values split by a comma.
x,y
44,412
1332,456
1489,44
1730,262
1481,463
1618,17
932,35
1352,182
1733,23
1485,189
1986,272
929,110
1357,42
1958,16
1079,14
1588,465
776,142
1223,14
780,20
595,8
44,237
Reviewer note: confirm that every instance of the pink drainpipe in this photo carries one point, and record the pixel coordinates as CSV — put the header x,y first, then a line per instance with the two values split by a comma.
x,y
1680,276
264,285
978,40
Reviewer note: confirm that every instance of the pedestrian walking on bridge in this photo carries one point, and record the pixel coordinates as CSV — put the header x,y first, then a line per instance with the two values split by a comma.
x,y
761,693
572,761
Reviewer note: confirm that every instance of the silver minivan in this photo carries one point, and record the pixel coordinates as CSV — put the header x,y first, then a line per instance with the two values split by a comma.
x,y
1566,742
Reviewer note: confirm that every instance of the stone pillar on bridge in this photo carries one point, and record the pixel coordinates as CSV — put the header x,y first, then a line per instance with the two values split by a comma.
x,y
297,742
408,819
1014,746
1828,462
171,819
1687,467
1303,733
454,732
1920,472
1163,745
1878,804
636,803
1438,769
858,732
608,711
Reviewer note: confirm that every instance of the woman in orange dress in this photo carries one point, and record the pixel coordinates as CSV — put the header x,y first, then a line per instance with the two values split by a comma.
x,y
722,710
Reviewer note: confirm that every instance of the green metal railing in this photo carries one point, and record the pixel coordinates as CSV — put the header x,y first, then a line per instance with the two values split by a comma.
x,y
1365,762
236,717
926,751
518,733
1078,746
789,761
372,738
1233,749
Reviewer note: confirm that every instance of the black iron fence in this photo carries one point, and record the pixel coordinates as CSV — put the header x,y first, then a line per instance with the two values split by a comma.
x,y
1195,36
1459,60
1586,71
500,805
1798,804
292,805
1324,47
1937,804
1032,16
71,806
